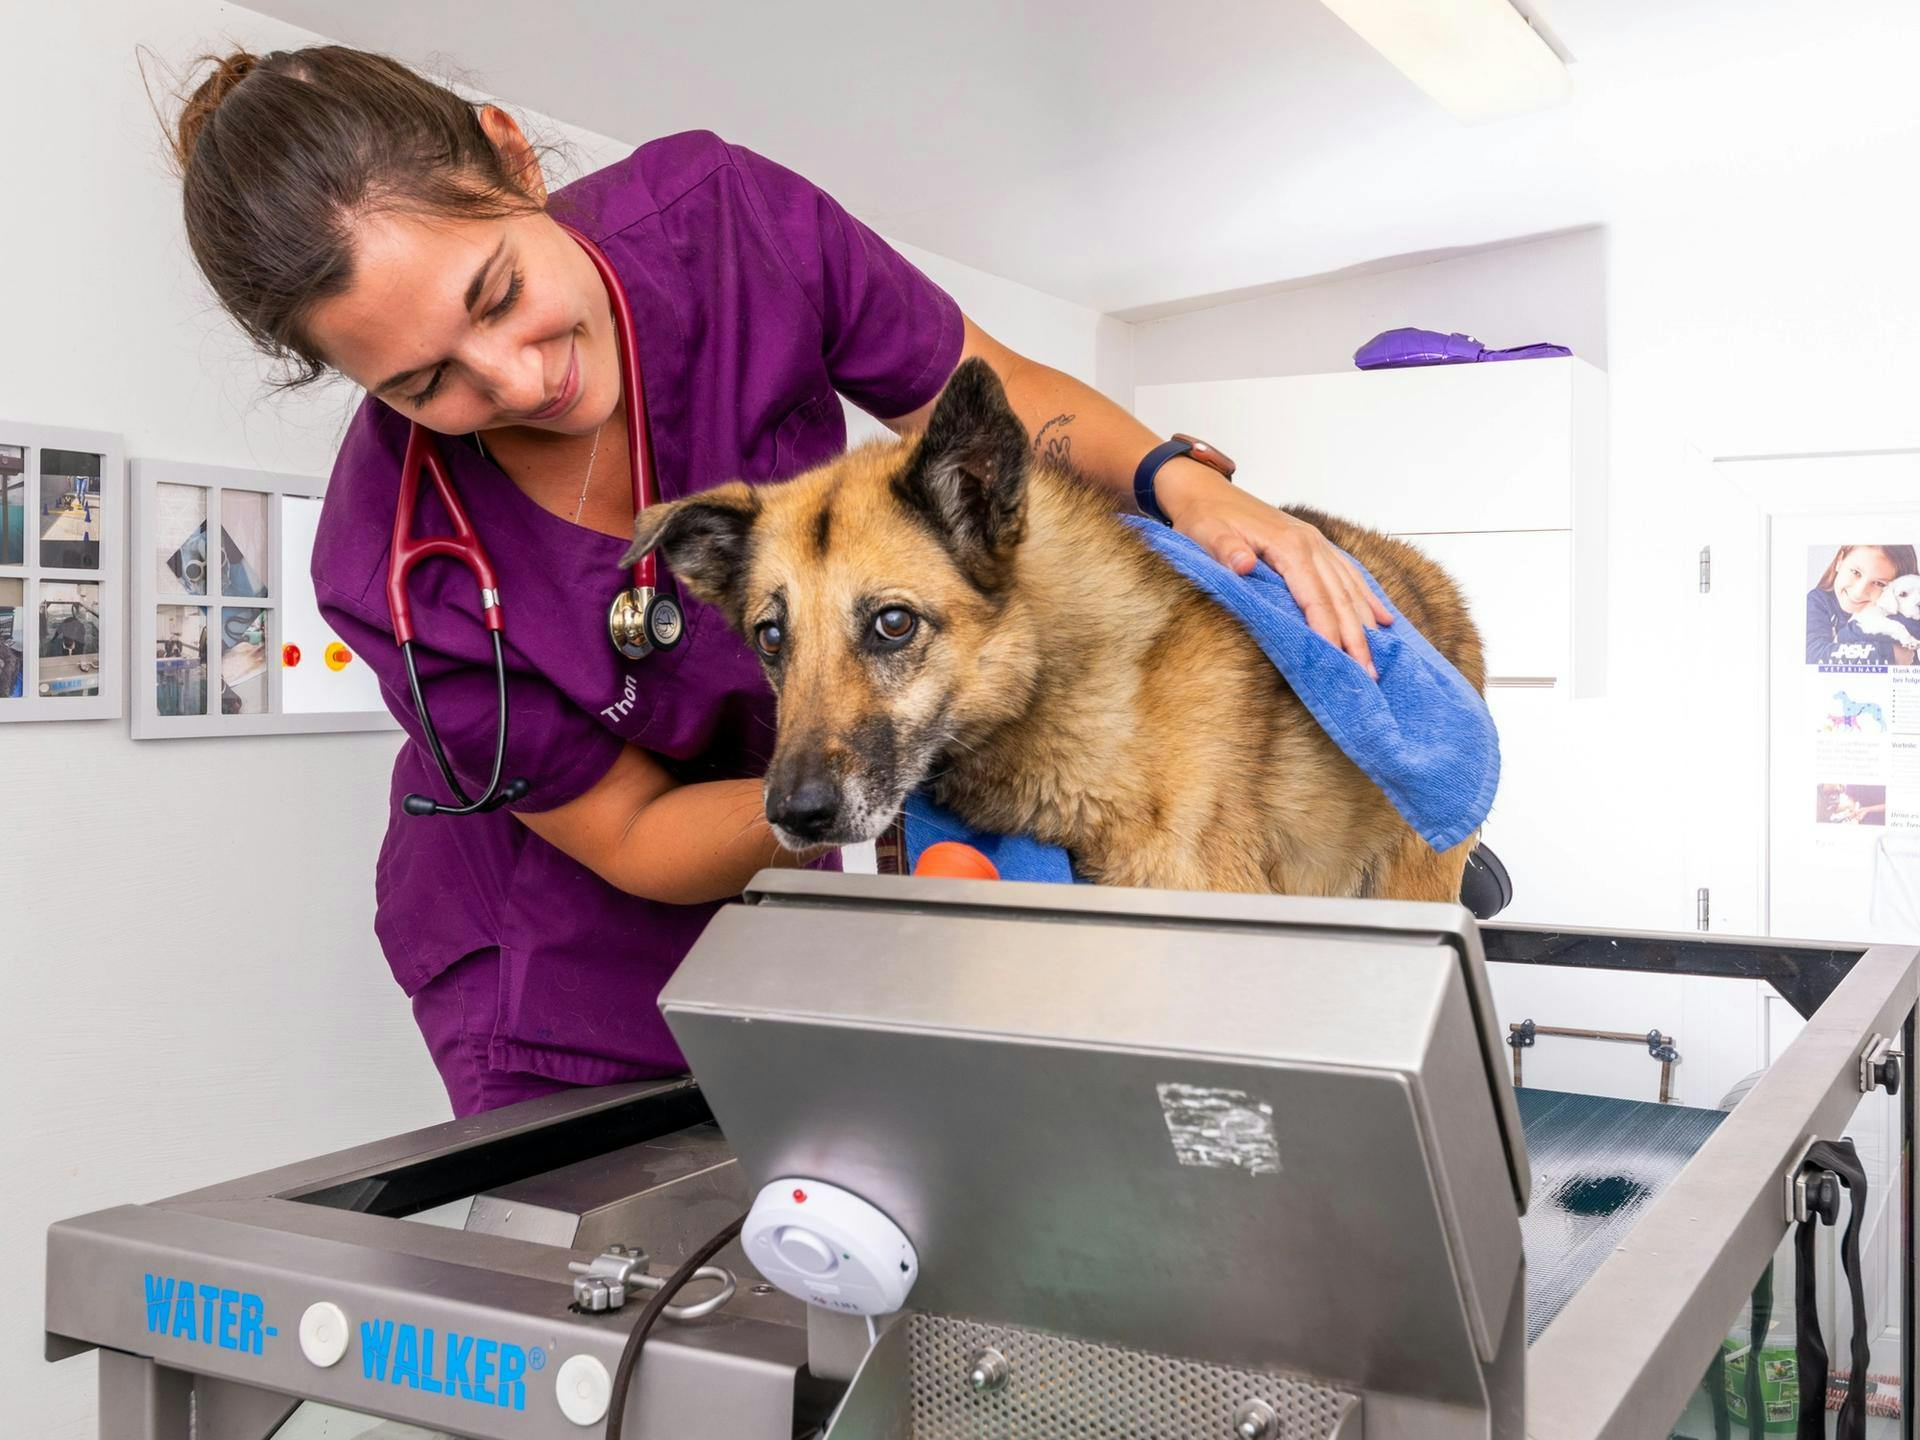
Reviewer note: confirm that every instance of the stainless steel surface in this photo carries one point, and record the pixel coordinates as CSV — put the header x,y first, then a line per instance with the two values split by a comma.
x,y
1301,918
1630,1347
888,1050
223,1410
246,1248
1063,1389
140,1400
101,1260
666,1194
1047,1122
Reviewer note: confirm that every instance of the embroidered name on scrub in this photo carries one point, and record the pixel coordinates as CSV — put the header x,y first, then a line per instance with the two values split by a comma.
x,y
620,708
487,1372
208,1314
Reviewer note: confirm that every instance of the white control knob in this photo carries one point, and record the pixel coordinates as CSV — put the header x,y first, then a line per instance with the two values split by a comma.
x,y
830,1248
324,1333
584,1389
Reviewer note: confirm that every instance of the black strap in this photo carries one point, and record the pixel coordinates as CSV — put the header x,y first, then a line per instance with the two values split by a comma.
x,y
1839,1157
1149,466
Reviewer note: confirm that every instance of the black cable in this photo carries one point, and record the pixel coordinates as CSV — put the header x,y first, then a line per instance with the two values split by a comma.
x,y
656,1304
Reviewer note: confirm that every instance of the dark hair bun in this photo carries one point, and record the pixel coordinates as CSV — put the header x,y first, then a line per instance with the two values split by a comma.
x,y
228,72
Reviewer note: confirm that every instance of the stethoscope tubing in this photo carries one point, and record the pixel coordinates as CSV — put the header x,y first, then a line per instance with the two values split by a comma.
x,y
464,546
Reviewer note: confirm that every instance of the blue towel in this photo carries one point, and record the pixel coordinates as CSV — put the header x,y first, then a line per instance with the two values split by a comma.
x,y
1422,733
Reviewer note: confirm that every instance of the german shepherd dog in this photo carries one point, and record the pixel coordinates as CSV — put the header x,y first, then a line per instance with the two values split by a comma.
x,y
952,612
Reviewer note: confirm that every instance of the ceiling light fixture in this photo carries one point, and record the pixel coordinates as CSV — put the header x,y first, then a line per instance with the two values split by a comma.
x,y
1478,59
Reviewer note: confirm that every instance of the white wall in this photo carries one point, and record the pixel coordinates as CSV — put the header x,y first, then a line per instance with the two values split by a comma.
x,y
1552,289
186,950
1761,295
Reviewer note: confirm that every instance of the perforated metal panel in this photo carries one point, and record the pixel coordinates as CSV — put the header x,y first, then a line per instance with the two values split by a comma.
x,y
1060,1389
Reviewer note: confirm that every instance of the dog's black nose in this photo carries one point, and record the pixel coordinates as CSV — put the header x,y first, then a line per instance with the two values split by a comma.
x,y
807,809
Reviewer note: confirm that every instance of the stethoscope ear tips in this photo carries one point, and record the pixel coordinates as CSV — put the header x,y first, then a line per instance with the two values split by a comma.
x,y
513,790
418,805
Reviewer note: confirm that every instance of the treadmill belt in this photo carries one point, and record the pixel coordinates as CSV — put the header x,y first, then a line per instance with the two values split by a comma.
x,y
1598,1164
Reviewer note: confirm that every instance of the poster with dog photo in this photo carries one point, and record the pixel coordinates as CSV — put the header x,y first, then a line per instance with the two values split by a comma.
x,y
1843,691
1863,692
1863,605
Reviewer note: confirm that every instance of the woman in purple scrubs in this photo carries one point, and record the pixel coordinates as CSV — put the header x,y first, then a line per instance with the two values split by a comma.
x,y
354,217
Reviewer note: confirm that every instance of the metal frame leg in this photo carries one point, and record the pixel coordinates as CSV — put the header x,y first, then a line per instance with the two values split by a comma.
x,y
228,1410
140,1400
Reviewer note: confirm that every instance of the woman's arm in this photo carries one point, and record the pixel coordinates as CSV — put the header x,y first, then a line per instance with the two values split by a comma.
x,y
1074,424
642,832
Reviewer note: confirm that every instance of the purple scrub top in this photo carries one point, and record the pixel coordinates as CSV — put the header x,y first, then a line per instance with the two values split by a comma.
x,y
755,299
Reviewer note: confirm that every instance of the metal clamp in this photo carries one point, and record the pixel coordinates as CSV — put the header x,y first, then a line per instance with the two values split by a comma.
x,y
606,1282
1880,1066
1811,1191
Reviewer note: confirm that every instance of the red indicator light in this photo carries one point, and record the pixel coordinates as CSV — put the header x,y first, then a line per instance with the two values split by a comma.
x,y
799,1197
289,655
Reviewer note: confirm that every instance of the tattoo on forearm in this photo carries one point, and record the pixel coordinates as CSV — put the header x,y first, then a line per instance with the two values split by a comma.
x,y
1053,445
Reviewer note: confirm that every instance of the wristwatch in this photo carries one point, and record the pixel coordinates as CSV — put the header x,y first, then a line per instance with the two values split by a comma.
x,y
1209,455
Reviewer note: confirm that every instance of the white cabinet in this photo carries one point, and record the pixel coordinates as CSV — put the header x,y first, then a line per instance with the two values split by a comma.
x,y
1498,471
1515,582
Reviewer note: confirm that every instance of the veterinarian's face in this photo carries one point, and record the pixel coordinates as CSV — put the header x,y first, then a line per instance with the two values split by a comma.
x,y
1864,572
868,590
471,325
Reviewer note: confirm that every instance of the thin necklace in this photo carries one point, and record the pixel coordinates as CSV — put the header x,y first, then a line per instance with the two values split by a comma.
x,y
592,454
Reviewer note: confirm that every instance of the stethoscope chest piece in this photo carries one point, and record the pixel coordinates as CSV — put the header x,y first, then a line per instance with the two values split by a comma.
x,y
641,620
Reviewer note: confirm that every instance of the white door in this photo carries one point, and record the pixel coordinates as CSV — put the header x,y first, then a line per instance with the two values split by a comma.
x,y
1754,839
1843,774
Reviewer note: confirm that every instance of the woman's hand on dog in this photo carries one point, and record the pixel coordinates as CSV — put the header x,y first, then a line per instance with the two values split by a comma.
x,y
1237,529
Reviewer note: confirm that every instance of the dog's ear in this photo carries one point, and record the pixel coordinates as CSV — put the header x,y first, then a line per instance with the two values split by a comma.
x,y
705,540
967,478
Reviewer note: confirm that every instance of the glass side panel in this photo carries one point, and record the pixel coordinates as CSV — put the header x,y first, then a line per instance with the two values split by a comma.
x,y
1754,1386
314,1421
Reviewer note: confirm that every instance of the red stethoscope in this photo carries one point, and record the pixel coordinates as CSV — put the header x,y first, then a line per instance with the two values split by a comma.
x,y
640,620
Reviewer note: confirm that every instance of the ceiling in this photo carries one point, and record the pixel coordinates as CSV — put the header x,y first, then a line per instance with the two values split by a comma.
x,y
1130,155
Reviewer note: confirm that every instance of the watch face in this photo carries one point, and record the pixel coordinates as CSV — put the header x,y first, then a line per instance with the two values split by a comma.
x,y
1207,454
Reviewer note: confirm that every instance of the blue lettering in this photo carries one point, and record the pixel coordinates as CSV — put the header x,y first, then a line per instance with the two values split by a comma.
x,y
159,1302
483,1357
513,1364
209,1297
459,1351
427,1382
406,1357
253,1310
376,1344
487,1372
183,1312
229,1317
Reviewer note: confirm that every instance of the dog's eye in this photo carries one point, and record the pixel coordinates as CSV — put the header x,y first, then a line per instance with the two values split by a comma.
x,y
895,625
768,638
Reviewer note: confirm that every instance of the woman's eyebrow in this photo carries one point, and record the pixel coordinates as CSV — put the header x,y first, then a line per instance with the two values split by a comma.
x,y
474,287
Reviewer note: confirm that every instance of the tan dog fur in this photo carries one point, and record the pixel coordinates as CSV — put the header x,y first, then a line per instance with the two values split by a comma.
x,y
1062,680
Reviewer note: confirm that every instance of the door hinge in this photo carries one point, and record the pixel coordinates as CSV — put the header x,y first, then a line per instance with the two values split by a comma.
x,y
1706,569
1700,909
